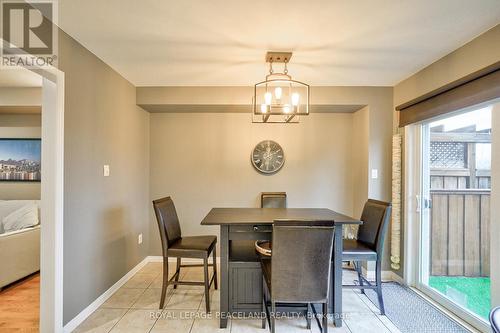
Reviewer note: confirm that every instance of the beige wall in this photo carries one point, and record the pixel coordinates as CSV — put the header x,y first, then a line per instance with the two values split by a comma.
x,y
203,161
20,126
360,159
376,122
479,53
378,99
102,216
14,97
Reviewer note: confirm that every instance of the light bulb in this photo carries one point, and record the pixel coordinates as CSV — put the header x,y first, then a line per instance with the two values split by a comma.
x,y
268,97
286,108
295,99
278,92
263,108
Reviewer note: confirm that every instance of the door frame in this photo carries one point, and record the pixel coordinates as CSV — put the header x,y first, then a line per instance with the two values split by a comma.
x,y
52,200
412,165
413,211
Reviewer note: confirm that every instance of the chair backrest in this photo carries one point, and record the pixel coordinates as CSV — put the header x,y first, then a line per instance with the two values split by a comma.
x,y
495,319
300,265
273,200
376,215
168,222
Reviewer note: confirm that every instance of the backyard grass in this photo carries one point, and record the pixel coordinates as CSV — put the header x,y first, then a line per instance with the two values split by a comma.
x,y
470,292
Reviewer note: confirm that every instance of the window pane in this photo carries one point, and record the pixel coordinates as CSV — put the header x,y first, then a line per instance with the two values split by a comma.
x,y
483,156
457,222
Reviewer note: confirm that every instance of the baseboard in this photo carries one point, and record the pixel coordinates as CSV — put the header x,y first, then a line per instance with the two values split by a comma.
x,y
386,276
397,278
157,259
73,323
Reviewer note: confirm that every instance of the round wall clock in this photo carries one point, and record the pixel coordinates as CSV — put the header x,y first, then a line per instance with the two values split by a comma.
x,y
268,157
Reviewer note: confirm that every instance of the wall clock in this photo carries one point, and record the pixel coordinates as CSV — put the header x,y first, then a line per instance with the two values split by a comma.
x,y
268,157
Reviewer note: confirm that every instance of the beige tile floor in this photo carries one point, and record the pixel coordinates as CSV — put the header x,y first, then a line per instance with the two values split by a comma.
x,y
134,308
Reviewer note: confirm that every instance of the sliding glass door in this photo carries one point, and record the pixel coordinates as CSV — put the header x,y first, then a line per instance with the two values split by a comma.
x,y
454,212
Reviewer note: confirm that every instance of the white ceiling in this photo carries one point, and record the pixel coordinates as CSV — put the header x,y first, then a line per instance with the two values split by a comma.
x,y
335,42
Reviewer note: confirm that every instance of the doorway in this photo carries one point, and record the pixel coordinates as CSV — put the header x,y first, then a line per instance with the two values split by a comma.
x,y
51,195
20,191
450,186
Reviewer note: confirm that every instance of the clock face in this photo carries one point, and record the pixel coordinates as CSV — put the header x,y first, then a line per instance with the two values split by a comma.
x,y
268,157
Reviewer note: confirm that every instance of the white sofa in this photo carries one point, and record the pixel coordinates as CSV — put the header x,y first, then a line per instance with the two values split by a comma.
x,y
19,249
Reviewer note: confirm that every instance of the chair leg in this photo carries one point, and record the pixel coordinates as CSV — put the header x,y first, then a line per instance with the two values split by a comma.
x,y
207,285
324,325
357,264
308,316
177,271
215,267
273,317
378,281
165,282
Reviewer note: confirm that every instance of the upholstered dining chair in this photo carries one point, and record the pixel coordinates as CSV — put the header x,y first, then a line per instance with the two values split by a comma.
x,y
495,319
273,200
369,245
174,245
298,272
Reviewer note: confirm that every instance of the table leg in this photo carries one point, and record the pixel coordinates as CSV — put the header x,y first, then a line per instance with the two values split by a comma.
x,y
224,275
337,276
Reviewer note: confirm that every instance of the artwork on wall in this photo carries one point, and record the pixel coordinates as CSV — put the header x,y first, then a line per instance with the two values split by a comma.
x,y
20,160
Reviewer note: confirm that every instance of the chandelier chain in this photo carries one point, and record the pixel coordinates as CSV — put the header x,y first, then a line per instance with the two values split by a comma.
x,y
285,69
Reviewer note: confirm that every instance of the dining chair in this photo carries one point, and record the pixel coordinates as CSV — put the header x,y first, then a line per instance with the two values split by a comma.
x,y
174,245
495,319
273,200
298,272
369,245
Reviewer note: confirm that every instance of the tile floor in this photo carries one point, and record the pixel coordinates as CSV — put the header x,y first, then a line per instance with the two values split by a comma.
x,y
134,308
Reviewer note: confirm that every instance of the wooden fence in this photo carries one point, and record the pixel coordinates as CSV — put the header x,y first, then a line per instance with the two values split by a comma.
x,y
466,176
460,232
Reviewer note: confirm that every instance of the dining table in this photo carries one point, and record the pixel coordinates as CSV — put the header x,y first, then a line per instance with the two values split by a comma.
x,y
240,272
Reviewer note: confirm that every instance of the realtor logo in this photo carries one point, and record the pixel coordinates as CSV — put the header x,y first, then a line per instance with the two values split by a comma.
x,y
28,33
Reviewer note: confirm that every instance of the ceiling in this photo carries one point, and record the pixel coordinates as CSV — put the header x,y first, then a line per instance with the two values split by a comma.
x,y
223,43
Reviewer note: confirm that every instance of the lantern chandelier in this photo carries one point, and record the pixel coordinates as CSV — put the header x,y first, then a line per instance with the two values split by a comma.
x,y
279,99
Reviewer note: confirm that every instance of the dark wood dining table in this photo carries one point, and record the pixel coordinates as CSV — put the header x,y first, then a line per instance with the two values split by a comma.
x,y
239,267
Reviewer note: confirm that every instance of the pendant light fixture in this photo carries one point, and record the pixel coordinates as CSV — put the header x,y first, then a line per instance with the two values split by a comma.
x,y
279,99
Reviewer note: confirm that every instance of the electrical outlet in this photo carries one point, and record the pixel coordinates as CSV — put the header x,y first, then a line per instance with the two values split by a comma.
x,y
374,173
106,170
139,239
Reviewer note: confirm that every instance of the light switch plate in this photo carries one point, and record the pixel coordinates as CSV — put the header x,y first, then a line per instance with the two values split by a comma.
x,y
106,170
374,173
139,239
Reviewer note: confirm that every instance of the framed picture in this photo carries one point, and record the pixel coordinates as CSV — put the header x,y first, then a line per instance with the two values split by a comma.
x,y
20,160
